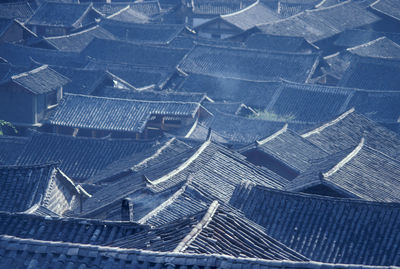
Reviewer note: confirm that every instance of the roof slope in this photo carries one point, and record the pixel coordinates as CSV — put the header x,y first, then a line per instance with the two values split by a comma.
x,y
83,231
253,93
142,33
16,252
372,74
78,41
381,47
19,10
113,114
355,37
325,229
79,157
11,148
137,55
279,43
347,130
389,8
40,80
59,14
212,231
210,166
289,148
362,173
248,64
250,16
25,188
321,23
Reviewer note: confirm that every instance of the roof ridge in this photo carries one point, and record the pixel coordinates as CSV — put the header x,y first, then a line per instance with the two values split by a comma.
x,y
326,125
189,238
241,10
158,152
184,165
166,203
345,160
33,71
273,136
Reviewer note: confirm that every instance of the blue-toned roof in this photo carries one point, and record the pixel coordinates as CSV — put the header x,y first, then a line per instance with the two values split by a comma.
x,y
142,33
114,114
40,80
79,157
78,41
347,130
18,10
248,64
59,14
361,172
325,229
251,16
279,43
137,55
390,8
220,7
318,24
355,37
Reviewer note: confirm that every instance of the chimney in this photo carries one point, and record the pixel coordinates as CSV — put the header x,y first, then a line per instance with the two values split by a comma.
x,y
127,210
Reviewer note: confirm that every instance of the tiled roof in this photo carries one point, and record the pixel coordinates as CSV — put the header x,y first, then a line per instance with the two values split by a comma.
x,y
289,148
372,74
24,188
212,167
79,157
82,231
108,9
138,55
40,80
251,16
390,8
28,56
140,12
114,114
150,95
293,100
20,253
18,10
11,148
78,41
248,64
59,14
212,231
219,7
382,47
142,33
362,173
279,43
318,24
325,229
347,130
355,37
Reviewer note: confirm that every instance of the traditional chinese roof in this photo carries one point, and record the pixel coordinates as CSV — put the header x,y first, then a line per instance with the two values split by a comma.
x,y
17,252
138,55
212,231
72,230
132,114
322,228
250,16
206,164
11,148
18,10
362,173
279,43
79,157
388,8
347,130
248,64
289,148
40,80
78,41
220,7
60,14
318,24
355,37
142,33
24,188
